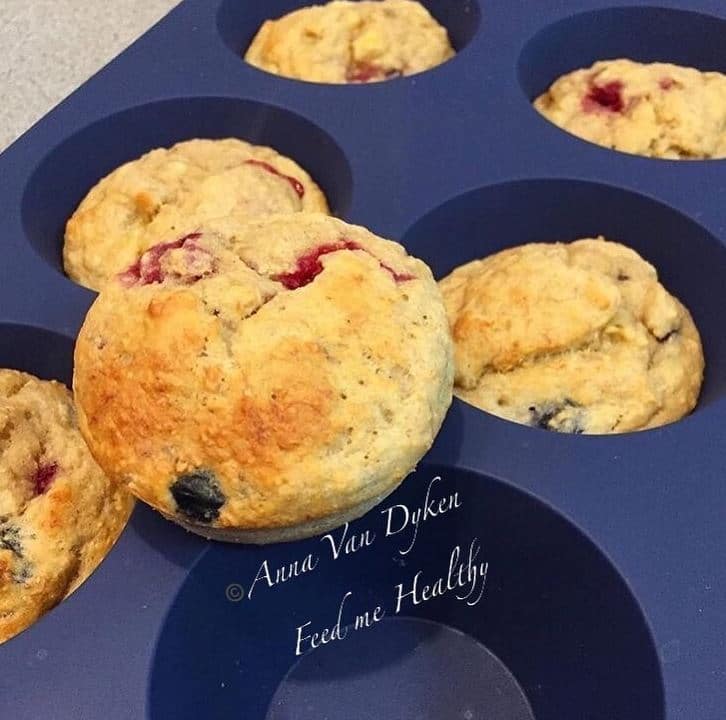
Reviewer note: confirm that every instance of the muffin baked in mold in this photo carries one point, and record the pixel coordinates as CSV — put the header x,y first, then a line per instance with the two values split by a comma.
x,y
265,380
689,259
657,110
237,23
46,205
578,338
687,38
346,41
59,514
148,199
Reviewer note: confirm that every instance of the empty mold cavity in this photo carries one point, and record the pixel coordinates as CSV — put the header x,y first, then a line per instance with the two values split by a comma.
x,y
543,626
691,263
69,171
43,353
238,22
643,34
393,665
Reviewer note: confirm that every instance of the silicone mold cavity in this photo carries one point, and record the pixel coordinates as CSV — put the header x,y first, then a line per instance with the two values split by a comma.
x,y
691,263
238,22
553,610
104,145
644,34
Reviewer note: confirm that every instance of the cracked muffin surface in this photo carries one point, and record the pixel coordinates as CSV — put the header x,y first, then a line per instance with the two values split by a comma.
x,y
351,42
59,514
657,110
273,376
149,199
573,337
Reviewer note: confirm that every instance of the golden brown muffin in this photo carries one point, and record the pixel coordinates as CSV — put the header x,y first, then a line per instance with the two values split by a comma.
x,y
151,198
576,337
657,110
265,380
59,514
351,42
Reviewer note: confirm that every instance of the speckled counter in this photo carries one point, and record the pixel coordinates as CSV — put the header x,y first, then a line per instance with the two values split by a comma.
x,y
51,47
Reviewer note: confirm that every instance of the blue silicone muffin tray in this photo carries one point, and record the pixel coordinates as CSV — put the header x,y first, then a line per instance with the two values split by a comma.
x,y
517,573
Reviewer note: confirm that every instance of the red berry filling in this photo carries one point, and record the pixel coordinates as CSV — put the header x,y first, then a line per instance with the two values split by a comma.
x,y
364,72
297,186
605,97
147,269
398,277
308,266
666,83
44,476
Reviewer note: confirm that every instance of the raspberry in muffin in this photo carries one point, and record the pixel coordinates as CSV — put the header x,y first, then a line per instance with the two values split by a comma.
x,y
59,514
152,197
656,110
265,380
578,338
351,42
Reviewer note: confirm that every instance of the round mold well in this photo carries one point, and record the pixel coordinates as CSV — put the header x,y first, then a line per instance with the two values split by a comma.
x,y
238,22
393,665
543,625
691,263
643,34
47,355
69,171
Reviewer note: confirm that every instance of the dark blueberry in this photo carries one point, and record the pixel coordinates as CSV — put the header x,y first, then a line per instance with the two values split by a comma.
x,y
10,539
547,417
23,573
198,496
542,417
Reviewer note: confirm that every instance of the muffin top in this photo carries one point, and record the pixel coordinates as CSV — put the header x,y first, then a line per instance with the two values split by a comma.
x,y
149,199
577,337
265,373
657,110
59,514
351,42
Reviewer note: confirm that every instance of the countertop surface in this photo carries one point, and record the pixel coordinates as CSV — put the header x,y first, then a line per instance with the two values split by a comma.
x,y
50,47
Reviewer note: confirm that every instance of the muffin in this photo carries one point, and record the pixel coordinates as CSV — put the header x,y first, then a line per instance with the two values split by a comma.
x,y
267,379
148,199
657,110
578,338
59,514
351,42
